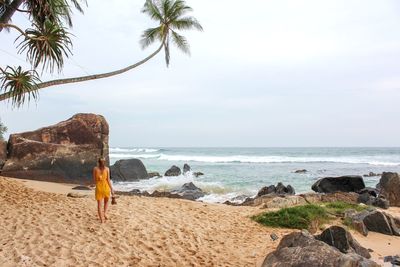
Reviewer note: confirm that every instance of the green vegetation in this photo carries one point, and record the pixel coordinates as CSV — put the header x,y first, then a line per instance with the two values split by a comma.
x,y
48,42
305,216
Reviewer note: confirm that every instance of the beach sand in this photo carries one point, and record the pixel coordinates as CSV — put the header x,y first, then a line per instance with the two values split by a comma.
x,y
41,226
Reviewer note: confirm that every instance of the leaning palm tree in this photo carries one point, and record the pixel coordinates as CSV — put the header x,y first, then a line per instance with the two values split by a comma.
x,y
171,16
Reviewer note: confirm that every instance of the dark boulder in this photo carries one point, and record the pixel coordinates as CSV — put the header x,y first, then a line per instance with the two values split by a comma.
x,y
371,174
390,187
369,190
377,222
279,189
64,152
341,239
128,170
351,183
302,249
300,171
368,199
186,168
173,171
189,191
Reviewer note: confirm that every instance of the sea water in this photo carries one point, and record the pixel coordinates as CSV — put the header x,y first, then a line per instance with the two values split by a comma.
x,y
231,172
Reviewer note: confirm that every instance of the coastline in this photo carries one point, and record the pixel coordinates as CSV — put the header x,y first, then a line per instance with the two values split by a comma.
x,y
42,226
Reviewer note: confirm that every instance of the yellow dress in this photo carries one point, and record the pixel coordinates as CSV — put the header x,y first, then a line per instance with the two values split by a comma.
x,y
102,187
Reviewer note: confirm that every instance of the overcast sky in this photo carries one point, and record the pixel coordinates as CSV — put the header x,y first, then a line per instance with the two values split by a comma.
x,y
263,73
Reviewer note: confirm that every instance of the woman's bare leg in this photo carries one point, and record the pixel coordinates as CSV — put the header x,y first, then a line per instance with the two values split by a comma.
x,y
105,207
99,210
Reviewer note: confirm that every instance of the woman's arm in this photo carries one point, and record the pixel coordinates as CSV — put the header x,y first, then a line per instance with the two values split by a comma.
x,y
109,181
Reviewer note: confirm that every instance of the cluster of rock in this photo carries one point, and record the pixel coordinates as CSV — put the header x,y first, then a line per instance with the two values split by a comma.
x,y
176,171
333,247
64,152
187,191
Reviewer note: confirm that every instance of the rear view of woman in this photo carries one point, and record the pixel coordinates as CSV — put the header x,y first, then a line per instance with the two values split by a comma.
x,y
101,177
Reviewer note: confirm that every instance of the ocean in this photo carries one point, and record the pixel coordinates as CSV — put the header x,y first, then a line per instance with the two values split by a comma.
x,y
231,172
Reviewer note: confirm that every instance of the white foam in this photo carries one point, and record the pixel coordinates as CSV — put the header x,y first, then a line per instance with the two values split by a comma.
x,y
134,150
131,156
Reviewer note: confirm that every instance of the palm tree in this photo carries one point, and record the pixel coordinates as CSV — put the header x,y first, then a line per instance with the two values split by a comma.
x,y
171,16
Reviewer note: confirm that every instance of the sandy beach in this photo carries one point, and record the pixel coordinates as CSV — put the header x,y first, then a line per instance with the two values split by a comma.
x,y
41,226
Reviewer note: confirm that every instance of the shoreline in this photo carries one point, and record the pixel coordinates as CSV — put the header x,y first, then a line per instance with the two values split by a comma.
x,y
41,221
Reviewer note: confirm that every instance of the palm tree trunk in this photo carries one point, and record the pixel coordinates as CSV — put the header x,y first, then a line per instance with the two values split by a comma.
x,y
9,12
88,77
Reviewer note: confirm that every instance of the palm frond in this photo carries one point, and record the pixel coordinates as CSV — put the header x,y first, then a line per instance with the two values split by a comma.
x,y
20,84
152,10
186,23
180,42
47,46
149,36
178,9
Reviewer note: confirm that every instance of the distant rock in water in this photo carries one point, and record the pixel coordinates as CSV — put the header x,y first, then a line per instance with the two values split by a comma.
x,y
390,187
173,171
64,152
350,183
128,170
300,171
197,174
371,174
189,191
186,168
279,189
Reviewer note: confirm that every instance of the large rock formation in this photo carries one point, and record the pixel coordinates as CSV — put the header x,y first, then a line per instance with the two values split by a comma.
x,y
189,191
64,152
128,170
302,249
390,187
279,189
375,221
173,171
350,183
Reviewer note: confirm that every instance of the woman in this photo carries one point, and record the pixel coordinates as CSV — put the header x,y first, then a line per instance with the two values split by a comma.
x,y
101,177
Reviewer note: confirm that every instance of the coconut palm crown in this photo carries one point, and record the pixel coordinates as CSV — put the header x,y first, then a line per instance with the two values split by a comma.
x,y
172,17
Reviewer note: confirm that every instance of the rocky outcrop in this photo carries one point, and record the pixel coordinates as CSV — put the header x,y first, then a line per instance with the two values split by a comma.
x,y
279,189
173,171
390,187
128,170
197,174
189,191
371,174
368,199
341,239
3,153
302,249
350,183
64,152
375,221
186,168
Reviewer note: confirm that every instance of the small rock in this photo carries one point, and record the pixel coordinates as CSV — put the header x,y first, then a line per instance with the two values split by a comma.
x,y
186,168
153,174
197,174
300,171
274,236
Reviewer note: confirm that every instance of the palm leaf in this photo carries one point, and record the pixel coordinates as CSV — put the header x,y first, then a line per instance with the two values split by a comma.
x,y
152,10
186,23
180,42
149,36
22,85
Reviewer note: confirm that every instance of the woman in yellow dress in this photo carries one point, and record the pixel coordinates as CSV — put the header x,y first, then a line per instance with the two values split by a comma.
x,y
101,177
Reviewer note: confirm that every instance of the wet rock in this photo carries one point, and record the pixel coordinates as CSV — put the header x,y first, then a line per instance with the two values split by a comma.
x,y
128,170
153,174
341,239
173,171
64,152
189,191
302,249
371,174
186,168
390,187
81,187
350,183
370,191
300,171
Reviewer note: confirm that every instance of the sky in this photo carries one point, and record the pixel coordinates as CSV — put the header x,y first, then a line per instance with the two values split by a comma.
x,y
263,73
